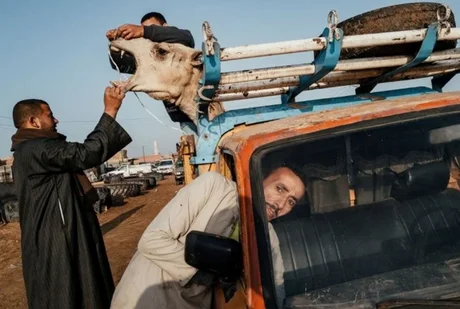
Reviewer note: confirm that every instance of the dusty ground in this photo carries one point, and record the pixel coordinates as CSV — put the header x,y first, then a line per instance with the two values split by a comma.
x,y
122,227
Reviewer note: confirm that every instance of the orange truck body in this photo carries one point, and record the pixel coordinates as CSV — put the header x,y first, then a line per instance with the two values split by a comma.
x,y
238,146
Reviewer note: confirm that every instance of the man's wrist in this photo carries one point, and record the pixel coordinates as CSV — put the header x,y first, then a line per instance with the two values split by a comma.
x,y
111,112
148,31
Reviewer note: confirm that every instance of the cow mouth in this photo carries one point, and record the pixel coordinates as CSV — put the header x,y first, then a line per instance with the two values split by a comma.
x,y
128,84
122,49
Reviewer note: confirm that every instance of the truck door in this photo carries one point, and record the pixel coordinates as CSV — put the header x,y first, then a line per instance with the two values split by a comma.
x,y
238,301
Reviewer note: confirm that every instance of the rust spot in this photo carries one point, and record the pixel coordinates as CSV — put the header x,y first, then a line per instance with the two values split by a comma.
x,y
371,97
298,106
318,41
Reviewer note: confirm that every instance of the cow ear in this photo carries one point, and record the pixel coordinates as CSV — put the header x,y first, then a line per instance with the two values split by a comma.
x,y
196,58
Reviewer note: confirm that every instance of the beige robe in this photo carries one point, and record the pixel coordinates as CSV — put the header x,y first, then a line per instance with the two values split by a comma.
x,y
157,274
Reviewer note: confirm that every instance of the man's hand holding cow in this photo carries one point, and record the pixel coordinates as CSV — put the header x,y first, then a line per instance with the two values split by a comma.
x,y
129,31
112,34
113,97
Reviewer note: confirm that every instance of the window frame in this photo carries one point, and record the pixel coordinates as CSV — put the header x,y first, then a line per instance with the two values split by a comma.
x,y
255,171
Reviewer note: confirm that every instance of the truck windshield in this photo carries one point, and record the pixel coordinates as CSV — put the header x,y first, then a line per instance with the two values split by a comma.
x,y
166,163
380,216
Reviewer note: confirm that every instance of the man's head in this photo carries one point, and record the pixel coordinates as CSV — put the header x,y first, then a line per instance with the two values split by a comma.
x,y
153,18
283,189
34,114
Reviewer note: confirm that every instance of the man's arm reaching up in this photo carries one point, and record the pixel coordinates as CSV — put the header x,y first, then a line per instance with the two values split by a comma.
x,y
168,34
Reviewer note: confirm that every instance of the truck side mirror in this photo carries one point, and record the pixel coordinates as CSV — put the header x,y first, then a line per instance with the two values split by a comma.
x,y
215,254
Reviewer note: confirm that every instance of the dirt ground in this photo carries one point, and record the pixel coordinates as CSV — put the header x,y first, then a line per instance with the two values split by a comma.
x,y
122,227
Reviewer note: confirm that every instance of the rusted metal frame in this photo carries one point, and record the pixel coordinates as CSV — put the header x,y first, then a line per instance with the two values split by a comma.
x,y
211,132
425,51
317,44
324,63
335,79
238,79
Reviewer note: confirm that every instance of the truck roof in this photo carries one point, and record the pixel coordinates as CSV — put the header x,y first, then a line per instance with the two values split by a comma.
x,y
248,138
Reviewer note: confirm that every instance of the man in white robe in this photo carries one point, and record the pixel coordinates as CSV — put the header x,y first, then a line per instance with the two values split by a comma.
x,y
157,274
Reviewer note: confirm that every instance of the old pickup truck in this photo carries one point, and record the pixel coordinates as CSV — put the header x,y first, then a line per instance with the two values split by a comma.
x,y
379,226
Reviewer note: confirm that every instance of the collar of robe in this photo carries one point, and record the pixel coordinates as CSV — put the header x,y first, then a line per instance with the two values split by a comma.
x,y
23,135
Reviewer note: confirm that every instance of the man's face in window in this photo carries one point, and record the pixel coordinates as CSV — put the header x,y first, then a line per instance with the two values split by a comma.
x,y
282,189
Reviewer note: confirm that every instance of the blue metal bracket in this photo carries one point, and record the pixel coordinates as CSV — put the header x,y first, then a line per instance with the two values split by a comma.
x,y
211,73
210,133
324,63
211,69
425,51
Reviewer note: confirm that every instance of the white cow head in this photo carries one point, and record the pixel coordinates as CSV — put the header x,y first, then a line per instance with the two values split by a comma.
x,y
167,72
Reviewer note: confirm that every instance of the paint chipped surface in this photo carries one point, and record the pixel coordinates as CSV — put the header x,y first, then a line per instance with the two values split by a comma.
x,y
291,127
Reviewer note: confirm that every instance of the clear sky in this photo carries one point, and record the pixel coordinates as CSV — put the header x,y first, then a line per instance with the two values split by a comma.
x,y
57,51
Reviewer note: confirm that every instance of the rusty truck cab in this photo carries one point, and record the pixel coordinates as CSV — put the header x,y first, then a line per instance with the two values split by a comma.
x,y
381,217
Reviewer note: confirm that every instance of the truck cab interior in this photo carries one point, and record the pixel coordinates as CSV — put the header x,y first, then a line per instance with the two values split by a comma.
x,y
381,207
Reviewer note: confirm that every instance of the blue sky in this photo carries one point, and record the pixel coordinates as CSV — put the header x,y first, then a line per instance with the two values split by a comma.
x,y
57,51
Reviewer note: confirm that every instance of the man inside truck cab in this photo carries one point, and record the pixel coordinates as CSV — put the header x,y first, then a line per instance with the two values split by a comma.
x,y
159,277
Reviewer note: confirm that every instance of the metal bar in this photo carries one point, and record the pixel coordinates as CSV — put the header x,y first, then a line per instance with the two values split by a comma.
x,y
336,79
424,52
315,44
324,63
344,65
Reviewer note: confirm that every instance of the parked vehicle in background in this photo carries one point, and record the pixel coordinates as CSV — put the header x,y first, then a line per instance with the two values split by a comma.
x,y
179,172
154,166
166,166
138,170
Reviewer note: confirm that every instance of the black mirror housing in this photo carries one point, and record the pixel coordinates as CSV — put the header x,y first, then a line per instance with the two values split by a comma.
x,y
215,254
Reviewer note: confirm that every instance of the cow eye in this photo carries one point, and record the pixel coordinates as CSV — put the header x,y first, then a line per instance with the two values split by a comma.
x,y
162,51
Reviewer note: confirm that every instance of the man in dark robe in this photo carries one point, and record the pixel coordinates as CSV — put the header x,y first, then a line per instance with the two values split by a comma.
x,y
65,263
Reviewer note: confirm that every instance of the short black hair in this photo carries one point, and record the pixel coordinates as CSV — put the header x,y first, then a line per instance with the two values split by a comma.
x,y
25,109
268,169
156,15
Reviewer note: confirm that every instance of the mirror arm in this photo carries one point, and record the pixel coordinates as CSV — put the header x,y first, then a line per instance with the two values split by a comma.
x,y
228,288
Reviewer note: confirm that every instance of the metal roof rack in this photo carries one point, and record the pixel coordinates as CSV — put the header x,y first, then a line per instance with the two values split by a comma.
x,y
326,71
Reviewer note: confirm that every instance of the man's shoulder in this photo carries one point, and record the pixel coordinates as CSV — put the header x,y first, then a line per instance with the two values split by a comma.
x,y
215,178
31,144
36,145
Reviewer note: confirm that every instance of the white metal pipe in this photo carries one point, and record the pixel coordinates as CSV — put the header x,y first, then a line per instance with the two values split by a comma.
x,y
266,73
314,44
251,94
338,79
344,65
